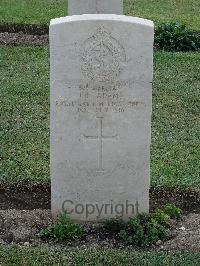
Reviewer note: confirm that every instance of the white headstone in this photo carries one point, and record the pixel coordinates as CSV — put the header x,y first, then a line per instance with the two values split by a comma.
x,y
79,7
101,100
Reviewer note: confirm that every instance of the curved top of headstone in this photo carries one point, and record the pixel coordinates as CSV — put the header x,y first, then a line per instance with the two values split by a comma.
x,y
98,17
79,7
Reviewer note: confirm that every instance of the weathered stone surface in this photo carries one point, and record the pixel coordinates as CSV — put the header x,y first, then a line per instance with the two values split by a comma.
x,y
101,100
79,7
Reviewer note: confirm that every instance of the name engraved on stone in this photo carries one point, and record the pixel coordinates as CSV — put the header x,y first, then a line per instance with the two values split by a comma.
x,y
101,97
100,137
102,56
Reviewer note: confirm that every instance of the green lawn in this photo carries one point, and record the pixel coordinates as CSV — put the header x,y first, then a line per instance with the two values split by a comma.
x,y
185,11
41,11
175,157
24,103
25,110
93,256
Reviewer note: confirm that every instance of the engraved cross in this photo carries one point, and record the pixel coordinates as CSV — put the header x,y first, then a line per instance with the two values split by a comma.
x,y
100,137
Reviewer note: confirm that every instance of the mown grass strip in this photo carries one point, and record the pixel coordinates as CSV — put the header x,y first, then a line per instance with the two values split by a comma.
x,y
40,12
93,256
184,11
175,157
25,114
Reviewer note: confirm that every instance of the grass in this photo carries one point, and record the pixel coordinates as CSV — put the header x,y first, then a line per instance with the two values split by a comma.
x,y
185,11
175,157
25,110
93,256
40,12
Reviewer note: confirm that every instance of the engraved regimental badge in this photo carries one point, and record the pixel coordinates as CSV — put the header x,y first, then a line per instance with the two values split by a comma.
x,y
102,56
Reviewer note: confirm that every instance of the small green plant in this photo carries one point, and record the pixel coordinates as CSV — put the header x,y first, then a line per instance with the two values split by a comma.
x,y
172,211
154,232
161,217
176,37
147,229
136,231
63,229
114,225
143,217
142,233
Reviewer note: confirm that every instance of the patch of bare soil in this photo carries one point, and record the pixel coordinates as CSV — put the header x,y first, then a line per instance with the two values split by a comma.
x,y
188,199
25,209
29,196
23,227
25,28
25,196
187,234
21,38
